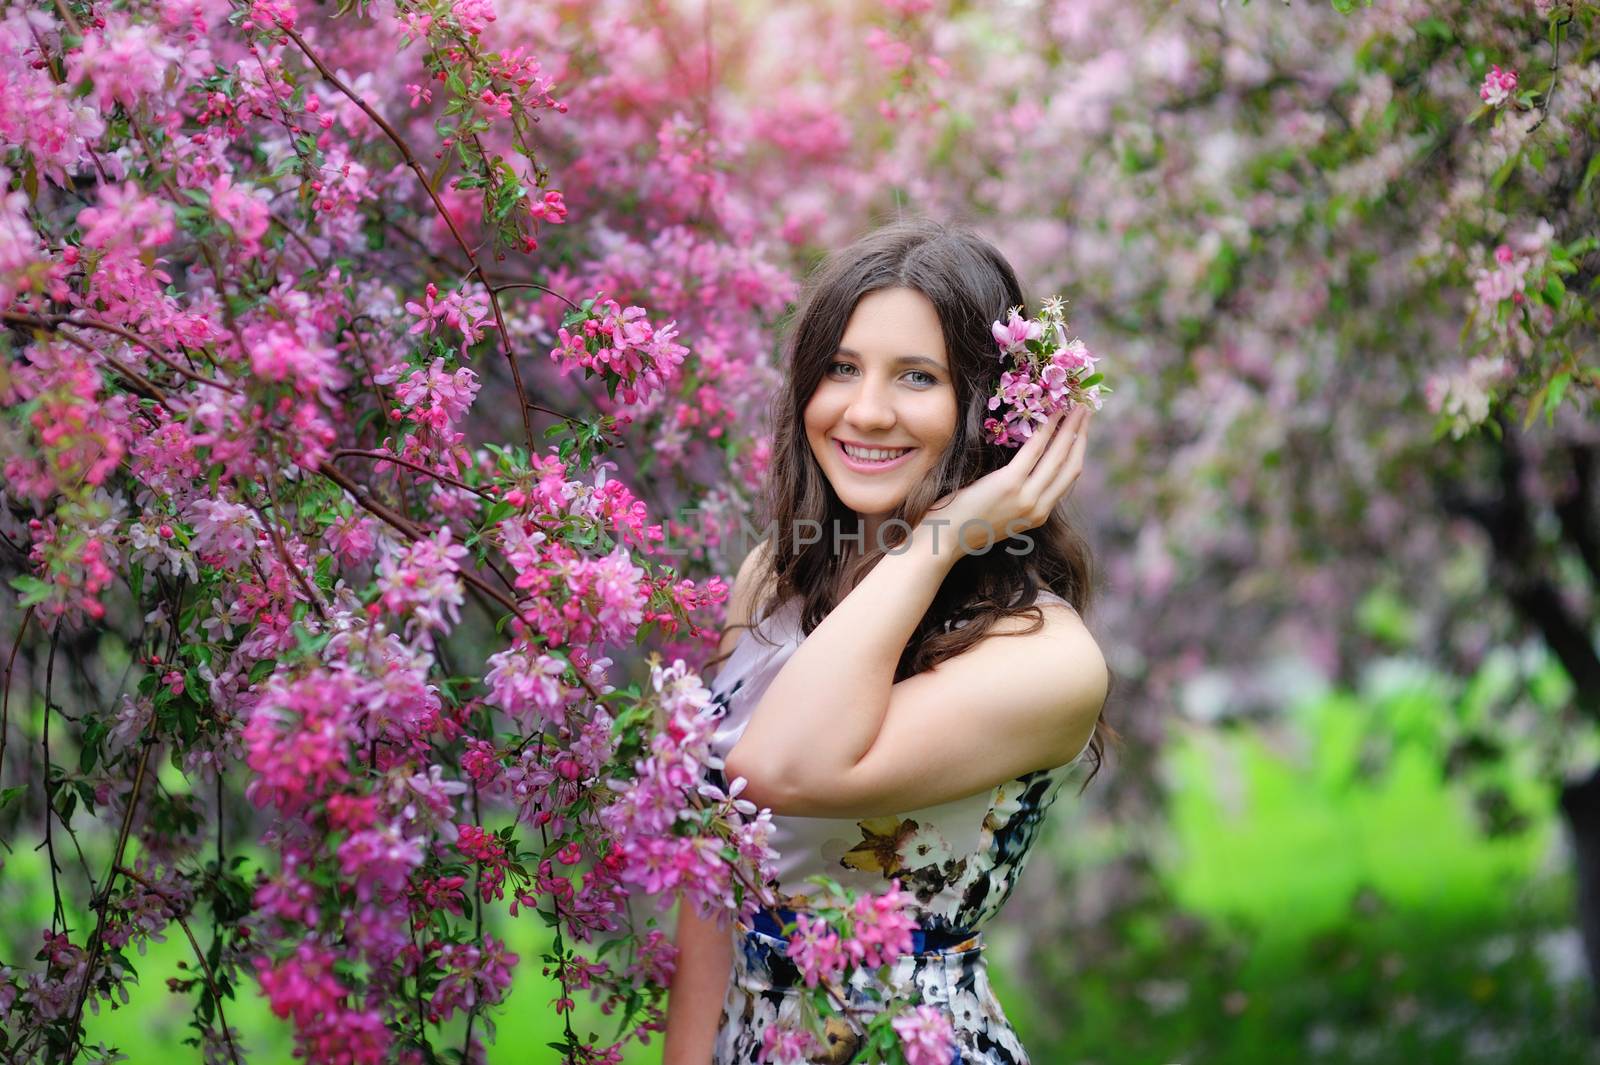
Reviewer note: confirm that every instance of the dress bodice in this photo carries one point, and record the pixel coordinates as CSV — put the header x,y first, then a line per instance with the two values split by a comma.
x,y
959,859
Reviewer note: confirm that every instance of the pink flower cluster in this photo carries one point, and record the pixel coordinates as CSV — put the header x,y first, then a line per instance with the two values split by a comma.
x,y
485,848
422,580
652,814
1506,280
474,976
1046,373
622,346
1498,85
298,737
463,311
817,950
304,987
785,1045
874,931
435,397
926,1037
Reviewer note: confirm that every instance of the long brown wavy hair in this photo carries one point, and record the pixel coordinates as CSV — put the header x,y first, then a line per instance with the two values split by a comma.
x,y
971,285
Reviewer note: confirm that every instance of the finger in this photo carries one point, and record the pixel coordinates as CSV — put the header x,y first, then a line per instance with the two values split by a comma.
x,y
1060,445
1027,455
1061,484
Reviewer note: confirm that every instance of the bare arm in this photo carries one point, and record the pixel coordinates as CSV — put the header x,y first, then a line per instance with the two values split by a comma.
x,y
694,999
705,951
835,735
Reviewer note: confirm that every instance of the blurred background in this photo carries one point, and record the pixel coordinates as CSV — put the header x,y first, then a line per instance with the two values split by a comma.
x,y
1342,278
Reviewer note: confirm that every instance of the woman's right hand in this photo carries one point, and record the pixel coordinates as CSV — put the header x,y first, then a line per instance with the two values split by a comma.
x,y
1021,494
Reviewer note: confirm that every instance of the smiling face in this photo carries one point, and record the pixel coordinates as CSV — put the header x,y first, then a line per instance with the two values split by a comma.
x,y
887,390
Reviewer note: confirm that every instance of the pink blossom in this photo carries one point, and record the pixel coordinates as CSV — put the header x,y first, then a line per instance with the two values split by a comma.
x,y
474,976
550,208
621,345
346,1037
816,950
495,104
303,985
926,1035
379,862
785,1045
481,762
528,685
298,738
224,532
126,216
1498,85
473,16
422,580
124,61
1507,281
489,852
272,14
436,397
881,927
459,310
244,211
1013,334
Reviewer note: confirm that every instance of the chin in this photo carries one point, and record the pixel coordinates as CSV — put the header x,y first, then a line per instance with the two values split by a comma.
x,y
868,503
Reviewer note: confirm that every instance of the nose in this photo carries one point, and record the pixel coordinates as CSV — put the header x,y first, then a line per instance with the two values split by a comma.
x,y
870,408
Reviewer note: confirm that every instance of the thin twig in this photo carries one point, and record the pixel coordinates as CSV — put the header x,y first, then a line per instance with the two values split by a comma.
x,y
5,694
350,452
410,159
200,956
96,943
53,322
59,913
1555,73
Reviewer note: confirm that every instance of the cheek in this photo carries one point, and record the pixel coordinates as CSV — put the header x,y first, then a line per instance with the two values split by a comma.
x,y
819,413
938,421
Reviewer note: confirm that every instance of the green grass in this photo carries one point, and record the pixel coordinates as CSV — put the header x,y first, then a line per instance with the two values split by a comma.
x,y
1325,894
151,1027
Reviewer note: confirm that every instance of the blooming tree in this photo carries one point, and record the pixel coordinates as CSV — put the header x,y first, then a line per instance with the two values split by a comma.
x,y
356,368
257,266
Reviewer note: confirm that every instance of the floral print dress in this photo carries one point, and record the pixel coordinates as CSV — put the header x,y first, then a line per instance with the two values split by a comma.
x,y
960,860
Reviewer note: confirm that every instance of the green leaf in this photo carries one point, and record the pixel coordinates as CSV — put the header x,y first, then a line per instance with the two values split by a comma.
x,y
1437,28
9,795
1557,389
1503,175
32,588
89,753
1589,173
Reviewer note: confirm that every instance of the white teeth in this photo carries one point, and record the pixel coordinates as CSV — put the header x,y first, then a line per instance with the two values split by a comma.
x,y
873,454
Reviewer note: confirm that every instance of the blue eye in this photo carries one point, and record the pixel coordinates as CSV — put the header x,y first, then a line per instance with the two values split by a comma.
x,y
833,367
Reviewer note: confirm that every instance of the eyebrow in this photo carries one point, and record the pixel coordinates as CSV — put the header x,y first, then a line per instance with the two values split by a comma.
x,y
903,360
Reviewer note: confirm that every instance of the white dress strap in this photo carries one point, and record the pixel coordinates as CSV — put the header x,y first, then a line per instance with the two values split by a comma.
x,y
1045,593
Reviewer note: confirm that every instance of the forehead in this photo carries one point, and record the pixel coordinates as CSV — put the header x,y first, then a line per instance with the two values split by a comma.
x,y
897,325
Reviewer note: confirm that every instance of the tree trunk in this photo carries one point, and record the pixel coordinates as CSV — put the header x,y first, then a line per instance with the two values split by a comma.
x,y
1580,802
1509,520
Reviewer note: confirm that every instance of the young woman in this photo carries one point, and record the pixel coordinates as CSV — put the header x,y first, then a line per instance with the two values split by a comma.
x,y
908,688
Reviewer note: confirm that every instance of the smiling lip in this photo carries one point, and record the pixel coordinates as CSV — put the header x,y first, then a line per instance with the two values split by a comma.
x,y
861,466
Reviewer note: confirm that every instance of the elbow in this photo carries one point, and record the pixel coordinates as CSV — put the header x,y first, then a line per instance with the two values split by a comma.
x,y
764,785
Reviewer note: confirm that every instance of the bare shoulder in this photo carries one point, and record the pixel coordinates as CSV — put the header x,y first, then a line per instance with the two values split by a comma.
x,y
1059,669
